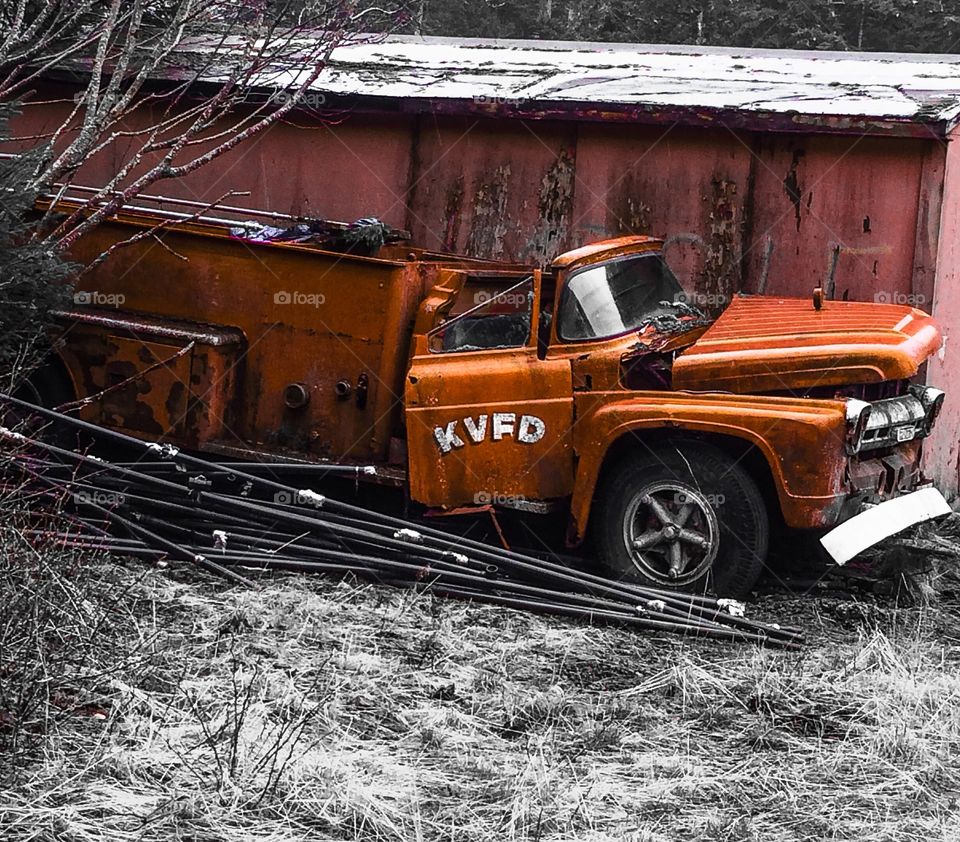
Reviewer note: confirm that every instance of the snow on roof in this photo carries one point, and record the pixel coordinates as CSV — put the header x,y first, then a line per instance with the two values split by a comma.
x,y
875,89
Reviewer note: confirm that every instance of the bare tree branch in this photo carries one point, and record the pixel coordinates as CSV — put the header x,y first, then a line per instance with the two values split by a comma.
x,y
165,85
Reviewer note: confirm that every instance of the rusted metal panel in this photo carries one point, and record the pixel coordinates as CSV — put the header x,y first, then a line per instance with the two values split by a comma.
x,y
494,190
671,117
342,170
290,305
942,450
759,346
809,484
489,426
689,187
151,404
152,376
929,206
835,212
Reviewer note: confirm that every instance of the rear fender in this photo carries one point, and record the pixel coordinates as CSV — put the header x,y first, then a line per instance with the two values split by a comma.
x,y
150,376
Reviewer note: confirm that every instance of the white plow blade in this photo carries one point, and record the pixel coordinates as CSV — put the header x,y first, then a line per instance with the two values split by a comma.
x,y
878,522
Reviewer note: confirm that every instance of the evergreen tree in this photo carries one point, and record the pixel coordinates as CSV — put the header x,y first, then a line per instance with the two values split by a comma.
x,y
33,276
906,26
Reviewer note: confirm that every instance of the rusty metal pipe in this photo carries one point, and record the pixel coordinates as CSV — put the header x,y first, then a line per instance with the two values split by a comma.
x,y
173,549
679,614
349,562
686,616
559,609
274,467
526,565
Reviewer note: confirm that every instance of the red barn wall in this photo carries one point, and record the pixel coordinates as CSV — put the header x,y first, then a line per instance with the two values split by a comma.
x,y
943,448
741,211
778,213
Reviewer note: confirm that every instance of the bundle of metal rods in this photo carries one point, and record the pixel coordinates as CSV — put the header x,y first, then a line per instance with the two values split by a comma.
x,y
172,505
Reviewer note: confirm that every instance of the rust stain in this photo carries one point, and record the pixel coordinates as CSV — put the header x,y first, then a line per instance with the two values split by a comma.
x,y
554,209
123,408
632,216
721,269
452,213
175,399
489,225
791,183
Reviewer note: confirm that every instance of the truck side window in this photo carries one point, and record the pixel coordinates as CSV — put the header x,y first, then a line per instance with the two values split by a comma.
x,y
487,316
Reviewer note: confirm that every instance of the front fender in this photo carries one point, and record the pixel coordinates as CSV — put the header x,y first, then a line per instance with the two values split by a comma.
x,y
801,440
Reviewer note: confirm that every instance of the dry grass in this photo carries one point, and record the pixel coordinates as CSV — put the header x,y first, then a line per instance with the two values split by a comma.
x,y
316,710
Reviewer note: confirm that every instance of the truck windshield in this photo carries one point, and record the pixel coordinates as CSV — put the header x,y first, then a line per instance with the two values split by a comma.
x,y
618,297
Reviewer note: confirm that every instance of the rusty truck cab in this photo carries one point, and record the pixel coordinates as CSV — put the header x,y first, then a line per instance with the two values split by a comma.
x,y
499,356
599,385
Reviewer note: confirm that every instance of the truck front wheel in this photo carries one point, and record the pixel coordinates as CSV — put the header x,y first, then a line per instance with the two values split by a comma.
x,y
684,516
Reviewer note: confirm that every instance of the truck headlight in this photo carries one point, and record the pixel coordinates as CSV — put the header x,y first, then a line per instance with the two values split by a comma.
x,y
858,414
932,400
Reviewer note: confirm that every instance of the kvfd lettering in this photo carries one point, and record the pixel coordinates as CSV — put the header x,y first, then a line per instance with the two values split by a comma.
x,y
497,426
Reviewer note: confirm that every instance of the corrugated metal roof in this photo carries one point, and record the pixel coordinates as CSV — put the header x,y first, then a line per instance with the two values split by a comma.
x,y
832,90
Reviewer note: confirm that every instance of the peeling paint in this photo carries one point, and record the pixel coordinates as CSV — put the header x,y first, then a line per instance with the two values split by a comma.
x,y
721,269
489,225
633,217
554,209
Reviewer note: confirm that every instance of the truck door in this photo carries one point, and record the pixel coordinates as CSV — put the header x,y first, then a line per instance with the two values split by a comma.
x,y
488,420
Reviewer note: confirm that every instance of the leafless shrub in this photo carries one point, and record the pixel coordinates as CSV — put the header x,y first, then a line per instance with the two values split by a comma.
x,y
920,567
166,87
245,739
64,633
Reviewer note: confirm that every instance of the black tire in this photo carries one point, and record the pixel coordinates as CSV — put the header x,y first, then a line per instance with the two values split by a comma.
x,y
48,386
718,534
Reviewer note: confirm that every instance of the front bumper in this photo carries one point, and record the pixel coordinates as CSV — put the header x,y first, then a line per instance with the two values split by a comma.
x,y
891,422
884,440
871,479
877,522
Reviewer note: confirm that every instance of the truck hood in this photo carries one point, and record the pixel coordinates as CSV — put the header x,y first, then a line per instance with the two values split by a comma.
x,y
764,344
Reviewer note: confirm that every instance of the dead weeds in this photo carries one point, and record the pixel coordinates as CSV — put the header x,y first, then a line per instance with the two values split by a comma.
x,y
311,709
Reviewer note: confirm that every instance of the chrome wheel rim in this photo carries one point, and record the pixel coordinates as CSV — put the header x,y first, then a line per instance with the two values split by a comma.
x,y
671,532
